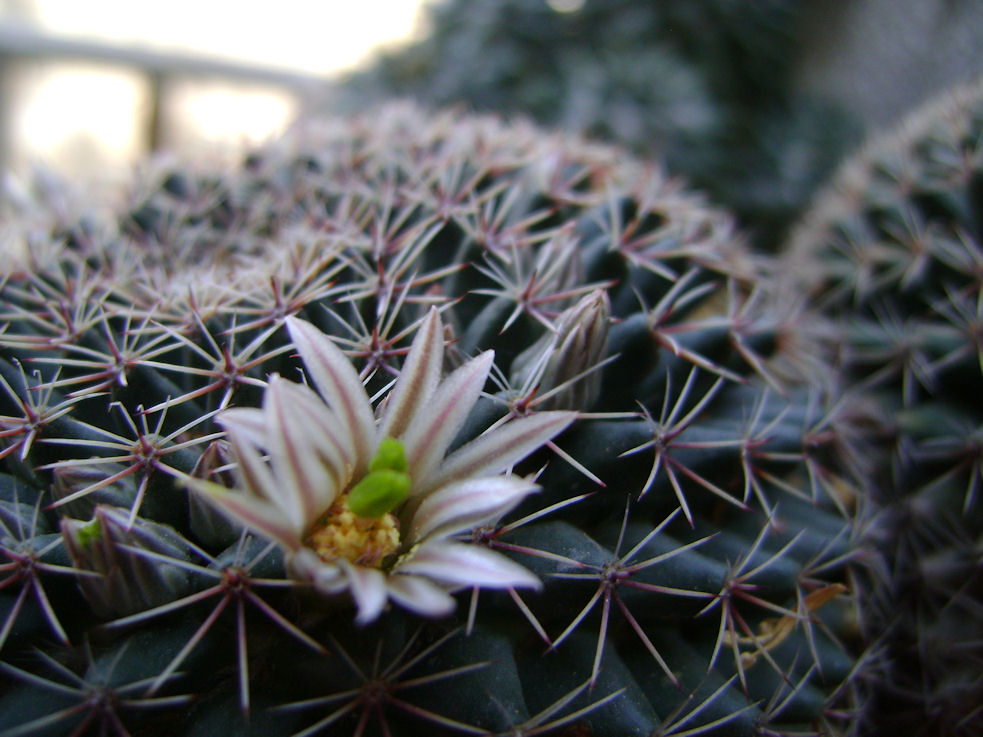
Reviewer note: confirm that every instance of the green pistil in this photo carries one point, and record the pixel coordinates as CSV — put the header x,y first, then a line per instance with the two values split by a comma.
x,y
89,533
386,485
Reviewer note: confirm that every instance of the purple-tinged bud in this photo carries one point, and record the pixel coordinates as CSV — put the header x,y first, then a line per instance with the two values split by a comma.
x,y
561,361
129,581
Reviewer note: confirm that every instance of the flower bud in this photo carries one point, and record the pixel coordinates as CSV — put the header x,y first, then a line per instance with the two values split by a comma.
x,y
561,358
128,581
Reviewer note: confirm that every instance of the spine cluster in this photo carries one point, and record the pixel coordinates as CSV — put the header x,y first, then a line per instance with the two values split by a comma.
x,y
683,486
893,254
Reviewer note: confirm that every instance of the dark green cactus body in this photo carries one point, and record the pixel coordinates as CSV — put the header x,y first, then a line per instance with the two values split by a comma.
x,y
893,253
695,553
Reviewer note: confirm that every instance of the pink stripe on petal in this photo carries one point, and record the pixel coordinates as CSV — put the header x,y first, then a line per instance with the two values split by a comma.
x,y
288,452
299,467
498,450
252,470
432,431
339,384
468,504
460,564
256,514
248,420
417,379
330,444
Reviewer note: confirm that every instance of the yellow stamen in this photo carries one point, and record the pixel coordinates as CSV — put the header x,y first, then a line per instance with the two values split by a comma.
x,y
364,541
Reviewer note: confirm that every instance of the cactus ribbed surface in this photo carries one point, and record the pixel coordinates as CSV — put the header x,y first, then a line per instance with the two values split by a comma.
x,y
707,86
893,252
672,555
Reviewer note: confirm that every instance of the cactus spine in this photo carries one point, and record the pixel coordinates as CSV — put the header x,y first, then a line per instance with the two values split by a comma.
x,y
893,252
690,537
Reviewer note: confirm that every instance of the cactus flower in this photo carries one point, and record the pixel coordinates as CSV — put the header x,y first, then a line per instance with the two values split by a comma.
x,y
377,506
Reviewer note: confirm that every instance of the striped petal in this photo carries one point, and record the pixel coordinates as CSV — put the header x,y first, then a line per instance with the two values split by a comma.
x,y
253,472
459,564
468,504
498,450
431,432
250,422
418,378
261,516
368,587
330,443
297,452
420,596
338,383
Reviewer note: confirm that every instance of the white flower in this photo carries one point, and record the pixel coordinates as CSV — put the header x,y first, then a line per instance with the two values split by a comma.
x,y
376,506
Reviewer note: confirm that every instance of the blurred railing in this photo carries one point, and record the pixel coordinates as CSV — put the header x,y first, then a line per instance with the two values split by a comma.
x,y
23,43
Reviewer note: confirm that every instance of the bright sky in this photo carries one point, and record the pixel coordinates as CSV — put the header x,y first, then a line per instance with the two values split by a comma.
x,y
315,36
81,119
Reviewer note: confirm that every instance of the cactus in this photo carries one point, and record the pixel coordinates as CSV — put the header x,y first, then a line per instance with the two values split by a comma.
x,y
417,424
892,252
704,85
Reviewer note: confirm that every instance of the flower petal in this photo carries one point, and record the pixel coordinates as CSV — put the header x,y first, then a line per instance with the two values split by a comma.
x,y
420,595
368,587
331,444
499,449
253,472
338,383
308,465
460,564
262,516
251,422
327,578
417,379
431,432
468,504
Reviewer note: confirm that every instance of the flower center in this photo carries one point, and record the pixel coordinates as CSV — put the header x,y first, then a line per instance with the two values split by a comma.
x,y
364,541
359,526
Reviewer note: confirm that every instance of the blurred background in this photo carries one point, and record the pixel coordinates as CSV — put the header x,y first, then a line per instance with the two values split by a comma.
x,y
754,101
88,87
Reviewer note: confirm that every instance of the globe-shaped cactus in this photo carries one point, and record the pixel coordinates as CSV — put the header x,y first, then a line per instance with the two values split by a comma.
x,y
893,254
707,86
414,424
